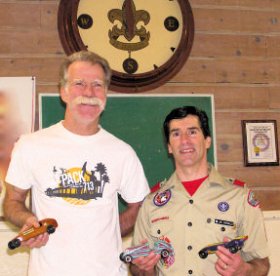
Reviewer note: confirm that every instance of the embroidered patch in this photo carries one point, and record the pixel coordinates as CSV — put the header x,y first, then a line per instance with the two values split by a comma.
x,y
162,198
223,206
252,199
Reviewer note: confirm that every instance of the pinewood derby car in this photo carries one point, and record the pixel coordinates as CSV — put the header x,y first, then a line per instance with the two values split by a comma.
x,y
46,225
160,247
233,246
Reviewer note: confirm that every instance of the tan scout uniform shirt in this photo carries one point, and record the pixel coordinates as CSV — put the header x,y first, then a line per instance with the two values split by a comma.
x,y
217,209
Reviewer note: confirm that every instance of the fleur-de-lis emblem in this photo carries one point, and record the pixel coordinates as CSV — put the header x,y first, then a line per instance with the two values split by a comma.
x,y
129,17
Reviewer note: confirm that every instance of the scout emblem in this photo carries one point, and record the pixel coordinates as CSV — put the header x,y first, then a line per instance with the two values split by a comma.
x,y
223,206
252,199
162,198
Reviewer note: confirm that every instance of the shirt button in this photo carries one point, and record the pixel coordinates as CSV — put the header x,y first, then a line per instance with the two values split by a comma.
x,y
189,224
208,220
191,201
223,229
190,247
190,271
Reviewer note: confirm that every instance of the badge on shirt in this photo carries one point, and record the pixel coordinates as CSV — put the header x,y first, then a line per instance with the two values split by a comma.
x,y
224,222
223,206
162,198
252,199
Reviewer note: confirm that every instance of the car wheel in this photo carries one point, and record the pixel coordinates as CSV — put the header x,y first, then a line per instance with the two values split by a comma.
x,y
203,254
164,253
127,259
50,229
233,249
14,244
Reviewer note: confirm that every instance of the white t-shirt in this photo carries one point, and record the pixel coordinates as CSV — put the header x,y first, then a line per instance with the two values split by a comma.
x,y
76,180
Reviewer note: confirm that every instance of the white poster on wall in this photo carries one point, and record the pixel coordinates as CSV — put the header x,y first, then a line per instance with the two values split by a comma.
x,y
17,115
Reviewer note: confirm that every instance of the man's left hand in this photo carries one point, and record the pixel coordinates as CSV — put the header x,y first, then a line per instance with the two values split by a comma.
x,y
229,264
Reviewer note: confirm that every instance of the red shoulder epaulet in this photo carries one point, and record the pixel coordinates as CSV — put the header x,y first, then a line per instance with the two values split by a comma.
x,y
156,187
238,183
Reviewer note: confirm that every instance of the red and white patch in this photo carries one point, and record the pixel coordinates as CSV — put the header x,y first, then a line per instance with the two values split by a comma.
x,y
252,199
162,198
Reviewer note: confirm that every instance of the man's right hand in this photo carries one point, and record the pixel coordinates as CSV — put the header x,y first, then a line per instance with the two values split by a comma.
x,y
145,265
38,241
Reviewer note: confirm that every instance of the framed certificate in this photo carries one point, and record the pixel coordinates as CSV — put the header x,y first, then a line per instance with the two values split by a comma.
x,y
260,143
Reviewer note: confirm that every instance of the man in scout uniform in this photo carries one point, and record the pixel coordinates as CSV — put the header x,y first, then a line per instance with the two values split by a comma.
x,y
196,207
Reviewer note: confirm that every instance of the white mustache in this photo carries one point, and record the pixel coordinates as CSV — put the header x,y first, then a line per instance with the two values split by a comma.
x,y
89,101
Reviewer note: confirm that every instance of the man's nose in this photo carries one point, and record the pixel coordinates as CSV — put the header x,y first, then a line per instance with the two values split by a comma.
x,y
89,90
185,137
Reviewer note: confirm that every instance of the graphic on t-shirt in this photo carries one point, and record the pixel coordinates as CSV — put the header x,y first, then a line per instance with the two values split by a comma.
x,y
78,183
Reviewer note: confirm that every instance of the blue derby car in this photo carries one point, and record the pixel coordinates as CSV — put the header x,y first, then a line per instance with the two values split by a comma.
x,y
233,246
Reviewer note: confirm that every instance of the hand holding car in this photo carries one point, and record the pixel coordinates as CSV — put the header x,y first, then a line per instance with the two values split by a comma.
x,y
34,233
147,263
229,263
146,258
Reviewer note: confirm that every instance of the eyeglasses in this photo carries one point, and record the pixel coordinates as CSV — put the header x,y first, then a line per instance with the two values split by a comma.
x,y
82,84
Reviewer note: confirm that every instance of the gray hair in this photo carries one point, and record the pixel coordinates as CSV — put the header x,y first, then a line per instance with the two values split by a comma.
x,y
86,56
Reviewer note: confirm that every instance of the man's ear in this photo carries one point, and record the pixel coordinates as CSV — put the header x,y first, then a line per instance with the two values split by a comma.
x,y
64,94
169,149
208,142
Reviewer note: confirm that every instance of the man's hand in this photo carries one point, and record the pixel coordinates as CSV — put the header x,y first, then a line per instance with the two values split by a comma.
x,y
229,264
147,263
37,241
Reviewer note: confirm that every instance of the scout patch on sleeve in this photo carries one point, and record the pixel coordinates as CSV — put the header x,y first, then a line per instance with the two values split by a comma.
x,y
252,200
162,198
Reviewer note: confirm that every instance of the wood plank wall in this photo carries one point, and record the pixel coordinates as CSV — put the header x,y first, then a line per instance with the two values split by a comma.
x,y
235,57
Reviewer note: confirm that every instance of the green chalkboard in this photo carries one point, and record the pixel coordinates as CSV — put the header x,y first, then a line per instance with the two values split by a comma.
x,y
138,121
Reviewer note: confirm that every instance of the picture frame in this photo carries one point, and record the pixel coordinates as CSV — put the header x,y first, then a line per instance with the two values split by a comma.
x,y
260,142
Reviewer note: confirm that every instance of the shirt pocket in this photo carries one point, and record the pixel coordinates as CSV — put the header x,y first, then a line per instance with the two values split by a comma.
x,y
219,227
161,228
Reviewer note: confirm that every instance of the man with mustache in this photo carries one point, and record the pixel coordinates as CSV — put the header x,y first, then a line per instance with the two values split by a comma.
x,y
196,207
75,170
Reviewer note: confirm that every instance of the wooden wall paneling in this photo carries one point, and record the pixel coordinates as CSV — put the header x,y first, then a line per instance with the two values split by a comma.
x,y
229,147
273,46
253,4
43,68
49,11
242,70
197,70
260,176
229,122
261,21
20,14
269,199
230,19
229,45
216,19
30,41
274,98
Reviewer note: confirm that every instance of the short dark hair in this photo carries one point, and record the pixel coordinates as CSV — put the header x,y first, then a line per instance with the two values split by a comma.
x,y
182,112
